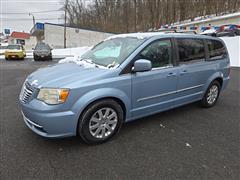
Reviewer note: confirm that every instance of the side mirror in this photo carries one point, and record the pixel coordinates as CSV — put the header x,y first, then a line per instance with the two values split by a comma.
x,y
142,65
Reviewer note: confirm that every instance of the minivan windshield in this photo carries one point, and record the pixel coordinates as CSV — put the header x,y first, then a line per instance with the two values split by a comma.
x,y
112,52
13,47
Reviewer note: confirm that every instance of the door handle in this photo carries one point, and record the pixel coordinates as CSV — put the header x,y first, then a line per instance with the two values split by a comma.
x,y
171,74
183,72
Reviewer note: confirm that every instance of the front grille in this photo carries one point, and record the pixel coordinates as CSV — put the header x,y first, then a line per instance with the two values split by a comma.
x,y
26,92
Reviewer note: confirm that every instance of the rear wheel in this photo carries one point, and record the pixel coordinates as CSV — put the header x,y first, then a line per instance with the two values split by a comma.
x,y
211,96
101,121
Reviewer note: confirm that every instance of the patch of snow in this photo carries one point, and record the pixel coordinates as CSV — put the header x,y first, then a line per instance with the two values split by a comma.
x,y
208,31
70,59
161,125
188,145
135,35
81,62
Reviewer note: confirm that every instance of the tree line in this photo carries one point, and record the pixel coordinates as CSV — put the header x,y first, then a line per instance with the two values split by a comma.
x,y
121,16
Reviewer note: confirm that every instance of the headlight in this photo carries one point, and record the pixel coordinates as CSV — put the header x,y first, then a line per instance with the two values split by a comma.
x,y
53,96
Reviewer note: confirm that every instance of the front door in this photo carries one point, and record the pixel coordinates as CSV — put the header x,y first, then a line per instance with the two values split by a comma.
x,y
155,90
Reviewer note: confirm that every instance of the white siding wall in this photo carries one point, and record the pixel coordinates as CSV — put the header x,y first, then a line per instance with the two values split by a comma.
x,y
54,34
233,46
30,43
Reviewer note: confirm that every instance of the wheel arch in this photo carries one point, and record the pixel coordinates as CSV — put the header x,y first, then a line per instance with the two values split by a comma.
x,y
98,95
220,80
218,76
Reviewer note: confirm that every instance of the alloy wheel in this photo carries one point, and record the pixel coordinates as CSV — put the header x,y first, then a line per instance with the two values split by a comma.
x,y
103,123
212,94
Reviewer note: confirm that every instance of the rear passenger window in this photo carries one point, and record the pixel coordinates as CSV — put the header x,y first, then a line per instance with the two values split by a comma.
x,y
216,50
190,50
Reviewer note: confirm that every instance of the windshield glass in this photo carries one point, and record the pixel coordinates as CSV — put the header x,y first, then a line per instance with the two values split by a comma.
x,y
42,46
13,47
112,52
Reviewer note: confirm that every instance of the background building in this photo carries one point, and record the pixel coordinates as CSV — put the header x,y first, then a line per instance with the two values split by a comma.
x,y
53,34
23,38
212,21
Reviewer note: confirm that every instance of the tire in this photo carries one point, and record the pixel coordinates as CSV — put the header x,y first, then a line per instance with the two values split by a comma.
x,y
36,58
6,59
91,118
211,96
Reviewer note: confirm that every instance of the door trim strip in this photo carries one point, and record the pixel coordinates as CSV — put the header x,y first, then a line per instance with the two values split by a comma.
x,y
166,94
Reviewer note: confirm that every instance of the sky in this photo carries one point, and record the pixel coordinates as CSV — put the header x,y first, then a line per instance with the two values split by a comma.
x,y
14,14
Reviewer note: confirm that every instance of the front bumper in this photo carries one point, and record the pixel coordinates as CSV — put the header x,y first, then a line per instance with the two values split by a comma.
x,y
42,56
49,124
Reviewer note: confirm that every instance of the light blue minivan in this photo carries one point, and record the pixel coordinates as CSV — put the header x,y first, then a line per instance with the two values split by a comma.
x,y
121,79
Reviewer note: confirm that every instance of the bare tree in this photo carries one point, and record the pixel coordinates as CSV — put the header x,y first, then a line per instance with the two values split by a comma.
x,y
119,16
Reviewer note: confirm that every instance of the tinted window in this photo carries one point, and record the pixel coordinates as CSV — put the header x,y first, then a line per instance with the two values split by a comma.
x,y
190,50
159,53
216,49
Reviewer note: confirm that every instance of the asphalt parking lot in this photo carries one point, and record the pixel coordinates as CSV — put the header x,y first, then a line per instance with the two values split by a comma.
x,y
185,143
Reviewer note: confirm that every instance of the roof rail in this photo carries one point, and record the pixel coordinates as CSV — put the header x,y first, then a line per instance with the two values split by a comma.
x,y
187,31
166,30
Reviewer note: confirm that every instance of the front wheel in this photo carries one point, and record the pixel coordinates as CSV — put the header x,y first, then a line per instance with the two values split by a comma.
x,y
100,121
211,96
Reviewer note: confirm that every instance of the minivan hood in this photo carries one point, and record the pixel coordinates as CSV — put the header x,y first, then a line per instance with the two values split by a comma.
x,y
61,75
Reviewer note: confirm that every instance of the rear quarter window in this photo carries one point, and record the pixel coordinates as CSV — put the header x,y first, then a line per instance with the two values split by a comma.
x,y
216,49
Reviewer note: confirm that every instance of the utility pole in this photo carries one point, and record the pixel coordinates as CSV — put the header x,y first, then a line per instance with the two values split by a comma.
x,y
65,24
30,14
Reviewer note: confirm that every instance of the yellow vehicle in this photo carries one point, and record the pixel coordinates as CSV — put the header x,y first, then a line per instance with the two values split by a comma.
x,y
15,52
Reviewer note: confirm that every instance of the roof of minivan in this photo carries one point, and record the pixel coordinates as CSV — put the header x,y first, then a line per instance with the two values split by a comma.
x,y
146,35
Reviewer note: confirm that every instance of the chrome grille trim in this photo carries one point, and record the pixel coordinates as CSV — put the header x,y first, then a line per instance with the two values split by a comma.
x,y
26,92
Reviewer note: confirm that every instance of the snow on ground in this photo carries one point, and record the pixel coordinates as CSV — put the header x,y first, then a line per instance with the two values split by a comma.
x,y
78,51
71,54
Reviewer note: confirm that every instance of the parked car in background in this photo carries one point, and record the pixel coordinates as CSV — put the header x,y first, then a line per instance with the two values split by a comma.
x,y
124,78
42,51
224,30
2,49
15,52
228,30
209,32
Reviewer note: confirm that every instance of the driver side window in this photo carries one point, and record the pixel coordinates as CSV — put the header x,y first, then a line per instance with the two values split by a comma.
x,y
159,53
